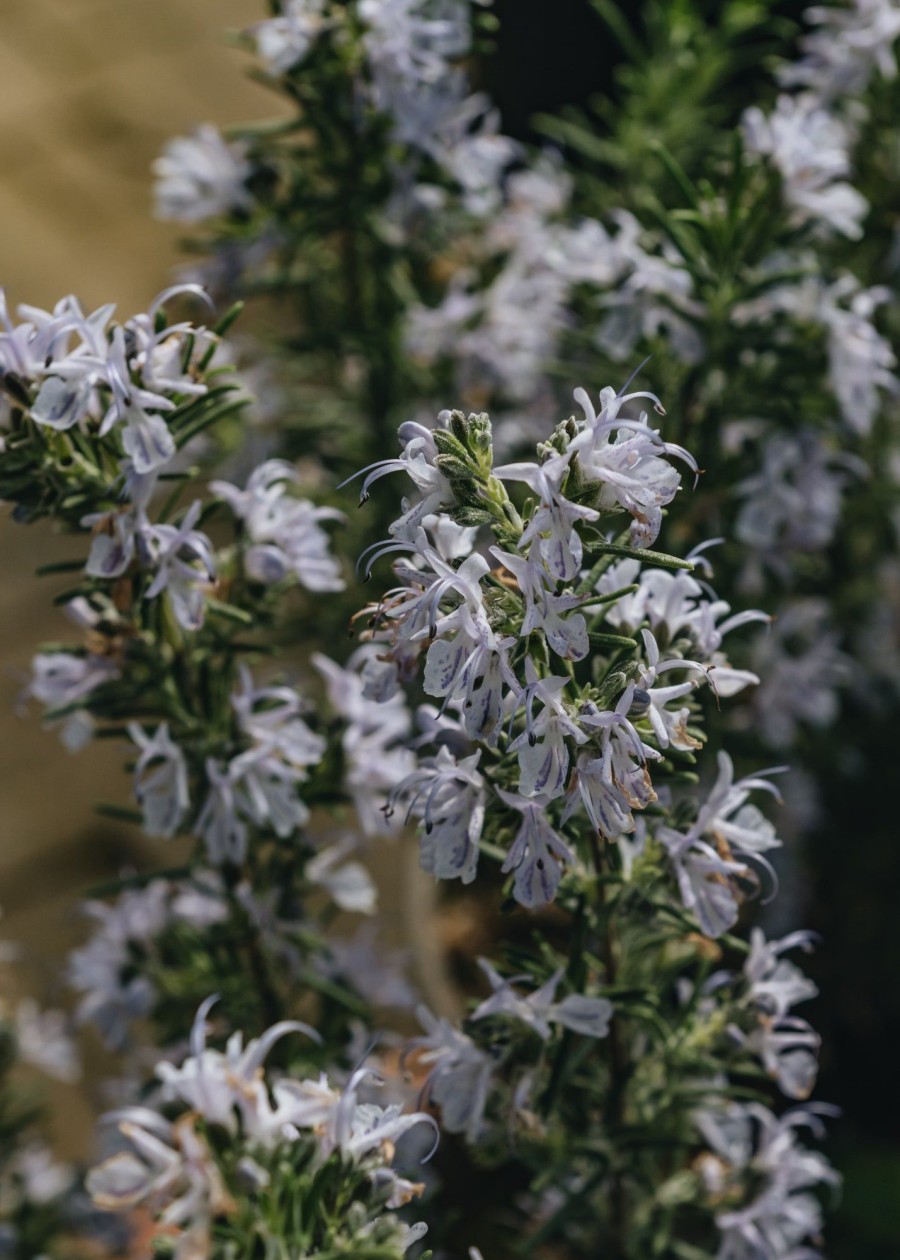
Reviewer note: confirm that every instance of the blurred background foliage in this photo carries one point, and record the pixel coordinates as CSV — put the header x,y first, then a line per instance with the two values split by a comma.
x,y
92,90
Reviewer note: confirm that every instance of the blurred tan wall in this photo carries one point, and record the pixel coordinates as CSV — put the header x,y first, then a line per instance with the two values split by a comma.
x,y
91,89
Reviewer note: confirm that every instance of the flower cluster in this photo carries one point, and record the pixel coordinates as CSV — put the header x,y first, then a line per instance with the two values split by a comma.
x,y
259,786
98,415
77,372
283,531
748,1142
499,334
473,627
810,148
847,48
568,662
406,69
240,1140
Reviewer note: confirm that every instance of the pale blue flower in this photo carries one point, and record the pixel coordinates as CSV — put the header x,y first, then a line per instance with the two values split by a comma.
x,y
160,780
554,521
539,1010
184,565
537,853
448,796
544,609
460,1078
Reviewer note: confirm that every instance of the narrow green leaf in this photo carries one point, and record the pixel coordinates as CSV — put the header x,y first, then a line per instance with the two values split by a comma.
x,y
610,640
230,612
59,566
658,558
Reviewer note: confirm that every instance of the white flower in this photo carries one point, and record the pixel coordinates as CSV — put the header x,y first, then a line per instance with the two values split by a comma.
x,y
349,883
451,541
42,1040
118,538
478,158
789,1051
848,46
146,439
60,404
201,176
270,717
418,461
706,882
202,901
860,359
631,468
585,1015
172,1171
284,41
498,336
678,607
703,856
60,680
471,669
725,814
112,992
266,790
653,297
668,727
40,1177
176,1174
159,352
553,522
794,502
587,253
218,825
356,1129
802,669
260,783
810,147
787,1046
374,756
160,780
228,1088
413,39
544,609
418,611
774,984
460,1076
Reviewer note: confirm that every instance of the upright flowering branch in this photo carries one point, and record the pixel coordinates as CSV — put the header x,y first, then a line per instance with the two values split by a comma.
x,y
229,1158
335,207
101,421
569,663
